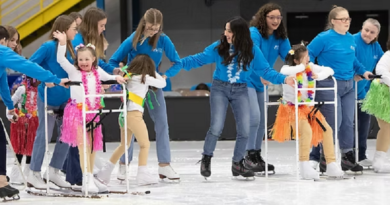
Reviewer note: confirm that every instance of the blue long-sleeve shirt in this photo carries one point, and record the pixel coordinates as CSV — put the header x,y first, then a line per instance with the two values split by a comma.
x,y
164,44
12,60
338,52
46,57
271,48
78,39
368,55
230,73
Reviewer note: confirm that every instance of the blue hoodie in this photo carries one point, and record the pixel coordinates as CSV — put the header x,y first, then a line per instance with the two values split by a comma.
x,y
78,39
368,55
12,60
164,44
229,73
338,52
46,57
271,49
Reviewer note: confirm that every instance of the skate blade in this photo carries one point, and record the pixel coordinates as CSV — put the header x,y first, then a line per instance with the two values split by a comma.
x,y
162,178
334,178
11,198
70,195
241,178
349,172
55,186
262,174
173,181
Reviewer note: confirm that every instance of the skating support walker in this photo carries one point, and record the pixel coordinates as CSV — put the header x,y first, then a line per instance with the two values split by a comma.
x,y
84,113
267,103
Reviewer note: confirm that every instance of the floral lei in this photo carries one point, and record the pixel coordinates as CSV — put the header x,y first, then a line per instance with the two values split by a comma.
x,y
28,108
309,75
98,88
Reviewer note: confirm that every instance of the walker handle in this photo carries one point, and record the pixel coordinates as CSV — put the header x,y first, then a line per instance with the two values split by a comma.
x,y
70,83
109,82
372,76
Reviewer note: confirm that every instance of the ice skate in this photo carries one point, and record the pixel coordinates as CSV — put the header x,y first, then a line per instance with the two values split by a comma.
x,y
16,176
314,164
205,166
77,187
144,177
121,175
322,164
169,173
307,172
7,193
348,163
260,160
34,180
381,163
366,163
56,178
90,185
241,169
251,161
104,174
26,170
101,186
334,172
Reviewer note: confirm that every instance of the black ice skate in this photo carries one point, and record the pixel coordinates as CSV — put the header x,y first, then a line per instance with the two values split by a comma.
x,y
9,193
205,168
252,163
322,164
348,163
240,169
260,161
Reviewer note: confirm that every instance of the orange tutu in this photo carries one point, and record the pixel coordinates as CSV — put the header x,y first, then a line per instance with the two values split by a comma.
x,y
284,126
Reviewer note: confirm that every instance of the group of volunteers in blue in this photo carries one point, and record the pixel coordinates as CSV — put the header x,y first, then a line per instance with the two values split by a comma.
x,y
244,57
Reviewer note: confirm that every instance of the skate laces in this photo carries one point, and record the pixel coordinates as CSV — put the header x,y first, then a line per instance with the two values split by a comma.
x,y
259,158
206,160
350,157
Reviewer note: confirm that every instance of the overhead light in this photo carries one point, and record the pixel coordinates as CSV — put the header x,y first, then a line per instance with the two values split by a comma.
x,y
301,17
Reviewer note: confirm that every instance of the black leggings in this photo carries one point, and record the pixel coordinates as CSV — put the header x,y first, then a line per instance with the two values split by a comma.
x,y
20,157
3,151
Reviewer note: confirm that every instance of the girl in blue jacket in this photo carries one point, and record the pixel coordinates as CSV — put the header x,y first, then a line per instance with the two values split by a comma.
x,y
229,86
57,98
269,34
336,48
149,39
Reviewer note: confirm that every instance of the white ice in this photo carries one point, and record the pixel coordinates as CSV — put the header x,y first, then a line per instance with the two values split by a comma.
x,y
282,188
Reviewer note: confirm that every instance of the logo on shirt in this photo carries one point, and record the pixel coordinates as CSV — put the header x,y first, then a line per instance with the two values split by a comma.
x,y
158,50
276,47
352,48
375,56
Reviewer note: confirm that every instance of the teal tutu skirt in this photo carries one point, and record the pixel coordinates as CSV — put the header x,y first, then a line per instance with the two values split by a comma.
x,y
377,101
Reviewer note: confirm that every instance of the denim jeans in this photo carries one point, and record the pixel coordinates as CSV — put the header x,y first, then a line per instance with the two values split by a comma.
x,y
345,113
222,94
364,122
60,150
160,119
257,119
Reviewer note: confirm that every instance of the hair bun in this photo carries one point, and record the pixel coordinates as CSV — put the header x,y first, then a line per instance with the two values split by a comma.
x,y
334,6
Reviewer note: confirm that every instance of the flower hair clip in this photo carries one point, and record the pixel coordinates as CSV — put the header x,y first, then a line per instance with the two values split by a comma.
x,y
82,46
291,52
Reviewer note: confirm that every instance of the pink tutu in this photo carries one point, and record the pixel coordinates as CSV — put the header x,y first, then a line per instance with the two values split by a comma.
x,y
73,121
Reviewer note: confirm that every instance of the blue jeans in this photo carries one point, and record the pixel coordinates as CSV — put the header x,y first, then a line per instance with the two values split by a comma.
x,y
222,94
345,113
72,166
364,122
257,119
60,150
160,119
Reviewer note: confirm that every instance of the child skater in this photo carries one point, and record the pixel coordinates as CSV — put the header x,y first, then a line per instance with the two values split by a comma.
x,y
143,71
312,126
23,131
85,70
377,103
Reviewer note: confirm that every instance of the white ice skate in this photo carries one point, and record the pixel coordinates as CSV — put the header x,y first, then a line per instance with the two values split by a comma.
x,y
26,170
90,185
381,163
56,178
102,187
307,172
365,163
16,177
168,172
314,164
121,175
144,177
333,171
34,179
104,174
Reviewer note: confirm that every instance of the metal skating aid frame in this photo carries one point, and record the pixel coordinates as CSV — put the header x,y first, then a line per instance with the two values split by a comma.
x,y
356,123
13,151
266,104
84,114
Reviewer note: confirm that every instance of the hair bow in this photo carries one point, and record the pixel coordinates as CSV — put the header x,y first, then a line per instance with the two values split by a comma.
x,y
87,46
